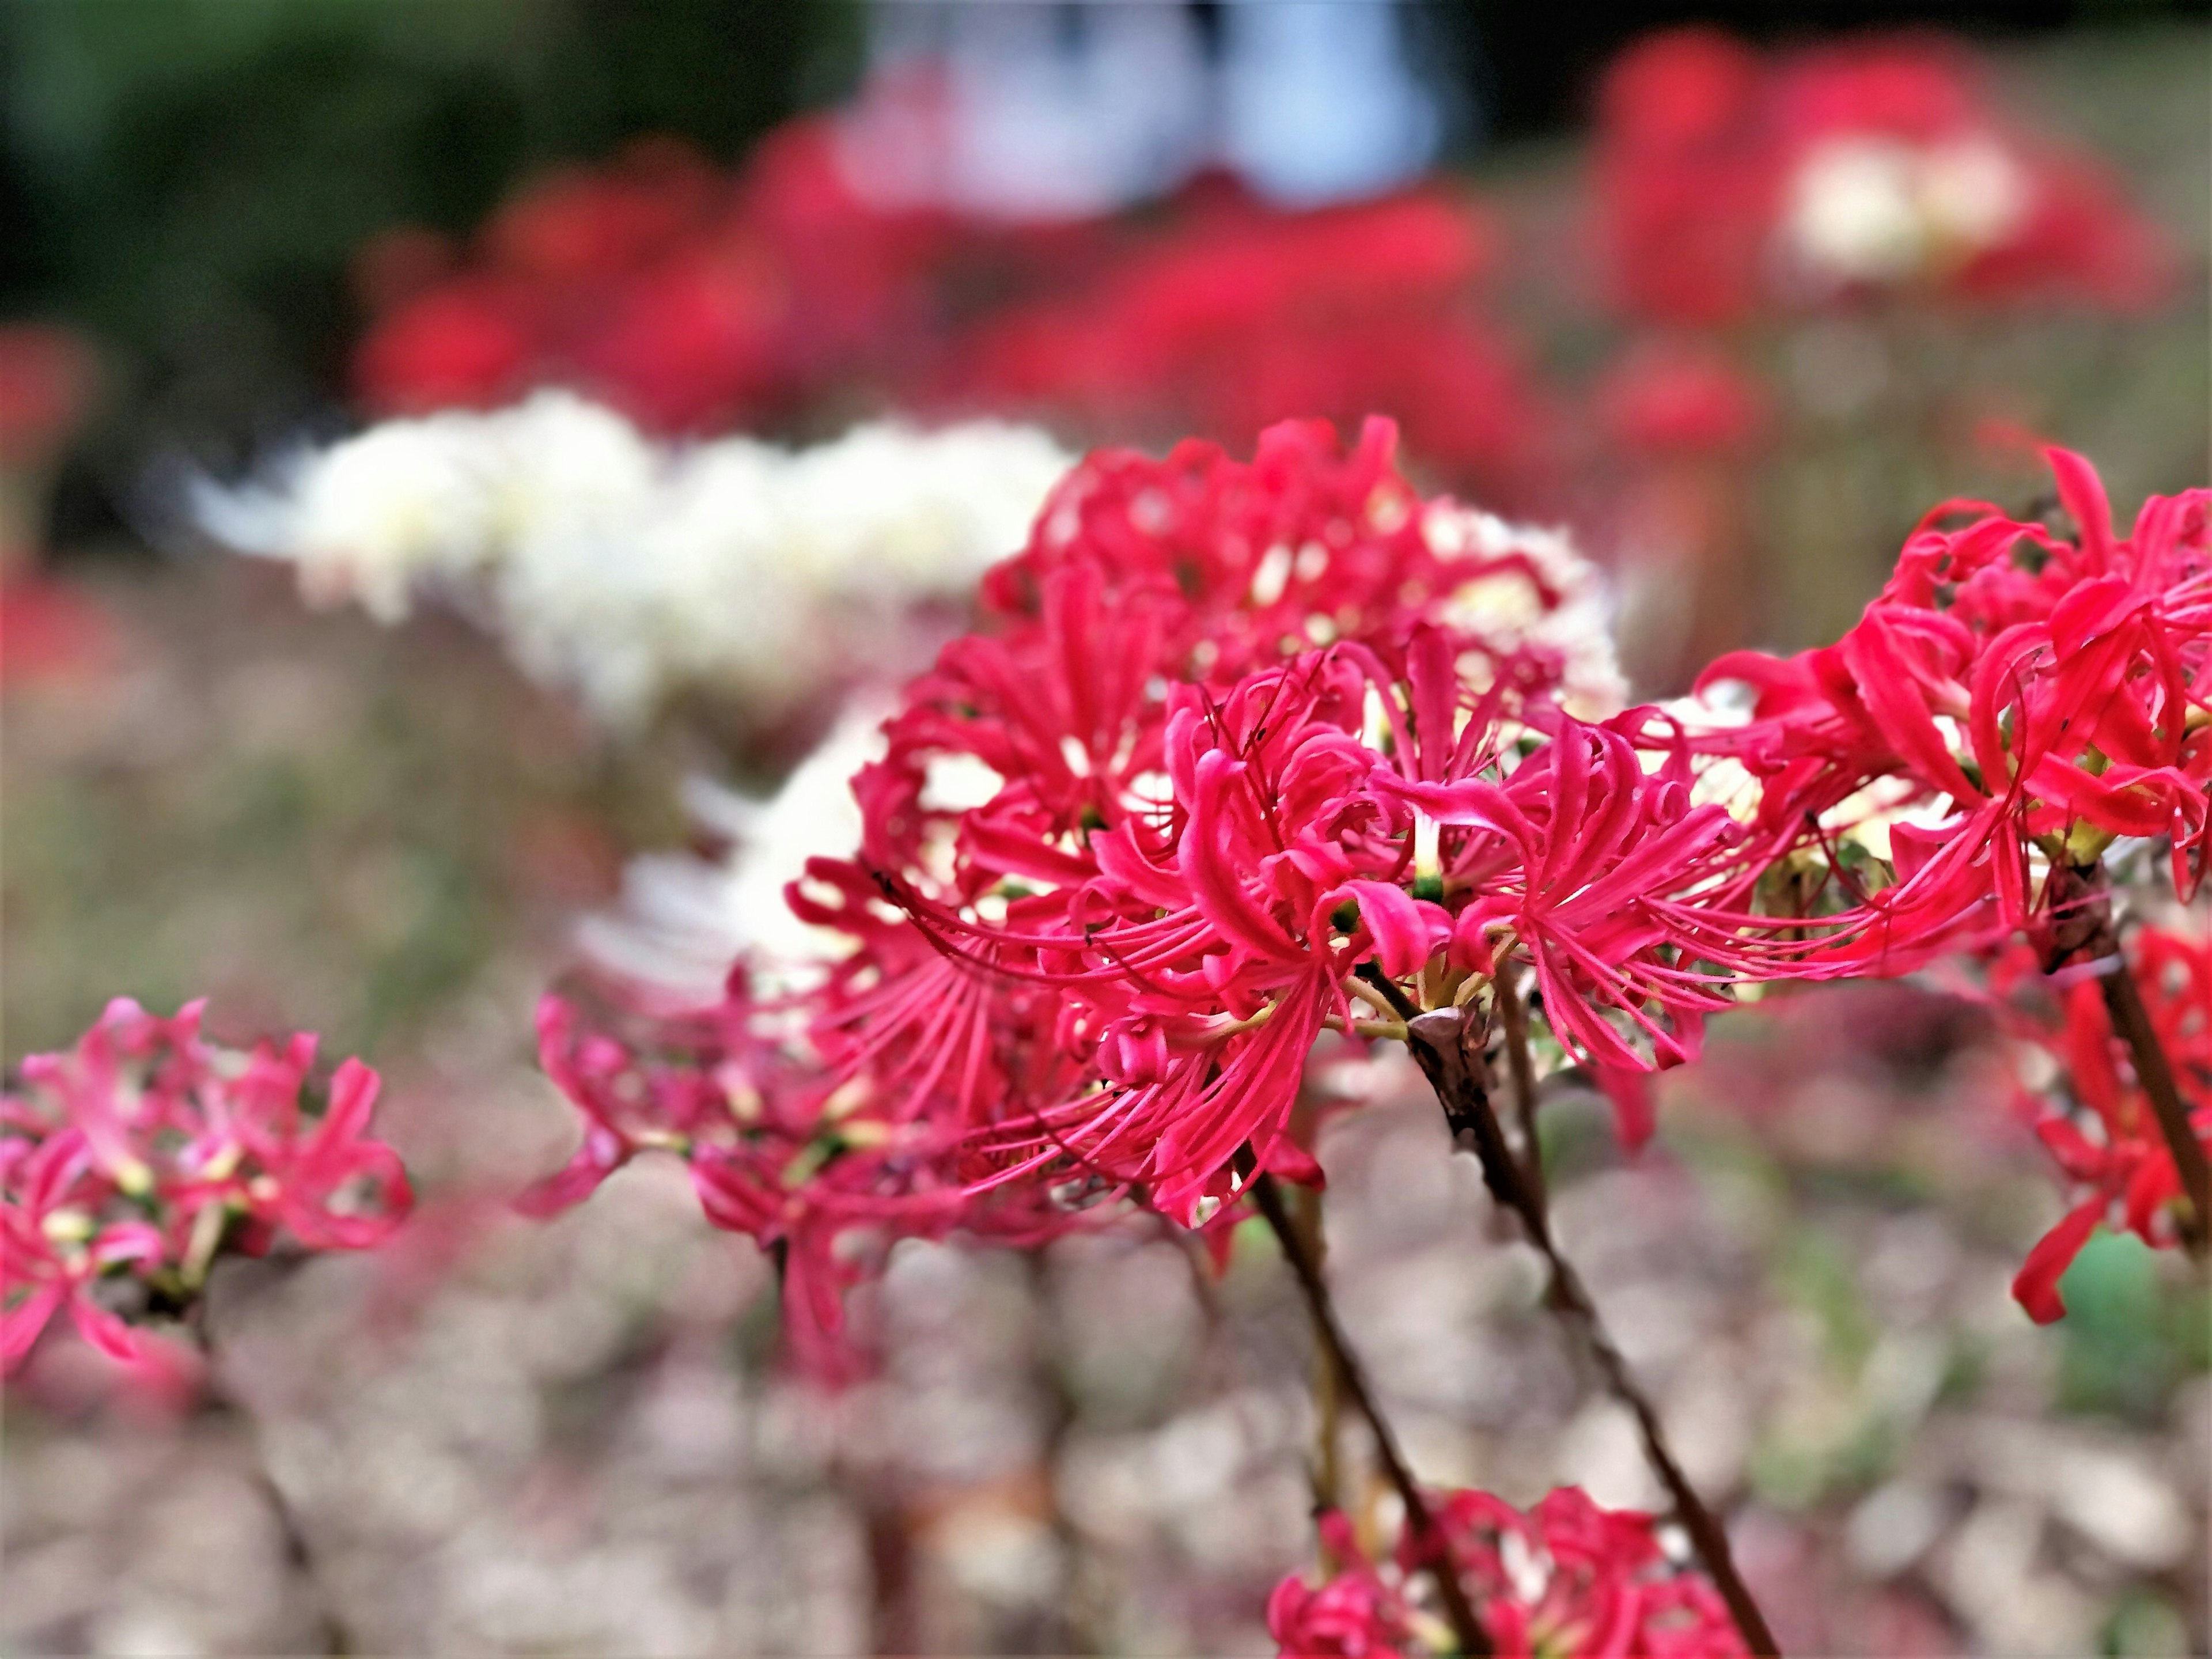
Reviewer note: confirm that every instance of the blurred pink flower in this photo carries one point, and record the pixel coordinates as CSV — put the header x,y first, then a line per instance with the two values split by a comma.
x,y
129,1163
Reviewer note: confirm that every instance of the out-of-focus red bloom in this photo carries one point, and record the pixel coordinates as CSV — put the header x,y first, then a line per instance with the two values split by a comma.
x,y
128,1163
52,630
696,303
47,376
1676,395
865,278
691,301
465,344
1566,1580
591,228
1730,184
2098,1125
1234,315
1678,419
1683,195
690,345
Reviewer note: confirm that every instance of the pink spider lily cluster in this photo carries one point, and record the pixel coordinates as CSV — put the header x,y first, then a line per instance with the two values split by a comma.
x,y
2011,703
1234,767
779,1149
1565,1577
892,1095
129,1163
1246,760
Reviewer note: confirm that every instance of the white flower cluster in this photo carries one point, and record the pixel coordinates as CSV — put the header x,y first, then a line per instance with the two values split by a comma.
x,y
629,571
1870,208
1509,607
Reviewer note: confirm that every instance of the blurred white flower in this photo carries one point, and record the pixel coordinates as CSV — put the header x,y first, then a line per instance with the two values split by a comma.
x,y
1721,780
1508,605
629,572
1880,210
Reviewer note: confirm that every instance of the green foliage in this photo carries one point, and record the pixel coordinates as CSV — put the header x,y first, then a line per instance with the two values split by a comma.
x,y
2131,1331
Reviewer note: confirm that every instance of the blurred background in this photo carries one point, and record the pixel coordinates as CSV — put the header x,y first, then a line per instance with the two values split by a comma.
x,y
1734,295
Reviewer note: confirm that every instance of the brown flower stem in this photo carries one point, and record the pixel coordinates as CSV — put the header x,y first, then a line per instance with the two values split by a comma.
x,y
1420,1523
2131,1020
2082,929
1328,1397
299,1554
1449,1047
1522,1067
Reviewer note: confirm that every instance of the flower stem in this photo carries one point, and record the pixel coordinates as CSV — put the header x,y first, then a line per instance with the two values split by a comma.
x,y
1467,1628
299,1554
1522,1068
2083,929
1449,1047
2131,1020
1329,1396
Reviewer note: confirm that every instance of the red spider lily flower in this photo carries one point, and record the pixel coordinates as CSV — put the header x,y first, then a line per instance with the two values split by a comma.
x,y
1328,814
1355,1613
1604,874
808,1170
56,1252
2105,1139
2012,701
1052,988
1226,750
1107,815
128,1163
1566,1578
627,1104
1729,183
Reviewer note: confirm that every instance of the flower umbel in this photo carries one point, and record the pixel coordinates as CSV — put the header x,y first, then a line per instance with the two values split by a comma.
x,y
131,1162
1564,1578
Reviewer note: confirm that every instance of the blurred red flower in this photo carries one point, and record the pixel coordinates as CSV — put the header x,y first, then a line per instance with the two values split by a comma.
x,y
1730,183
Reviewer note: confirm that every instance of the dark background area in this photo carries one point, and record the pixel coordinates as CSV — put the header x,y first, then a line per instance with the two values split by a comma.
x,y
1531,65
